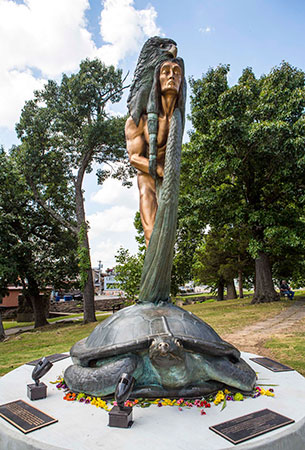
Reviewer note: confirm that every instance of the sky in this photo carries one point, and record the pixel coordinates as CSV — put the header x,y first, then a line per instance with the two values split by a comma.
x,y
42,39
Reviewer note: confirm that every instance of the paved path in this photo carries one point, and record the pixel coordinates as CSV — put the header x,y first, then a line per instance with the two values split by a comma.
x,y
250,338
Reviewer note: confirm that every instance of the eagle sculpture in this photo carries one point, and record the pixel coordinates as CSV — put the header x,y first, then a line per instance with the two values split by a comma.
x,y
141,99
154,51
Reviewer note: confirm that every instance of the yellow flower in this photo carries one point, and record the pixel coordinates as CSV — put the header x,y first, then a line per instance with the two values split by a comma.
x,y
269,394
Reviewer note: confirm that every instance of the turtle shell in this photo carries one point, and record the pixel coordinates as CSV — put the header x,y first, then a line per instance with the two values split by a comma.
x,y
133,329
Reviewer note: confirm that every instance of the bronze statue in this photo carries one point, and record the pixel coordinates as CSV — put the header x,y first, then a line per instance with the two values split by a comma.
x,y
170,78
169,351
154,137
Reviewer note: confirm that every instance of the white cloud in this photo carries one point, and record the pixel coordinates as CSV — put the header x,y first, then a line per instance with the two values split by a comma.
x,y
115,219
112,226
41,39
15,87
49,35
125,28
106,250
206,30
109,230
113,193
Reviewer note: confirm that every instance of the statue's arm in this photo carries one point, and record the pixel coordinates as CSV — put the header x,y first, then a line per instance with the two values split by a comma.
x,y
136,145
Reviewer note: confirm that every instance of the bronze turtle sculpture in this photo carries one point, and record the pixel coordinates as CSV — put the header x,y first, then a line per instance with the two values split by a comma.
x,y
169,351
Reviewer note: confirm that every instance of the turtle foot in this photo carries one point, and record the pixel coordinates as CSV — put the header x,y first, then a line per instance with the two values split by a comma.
x,y
99,381
205,388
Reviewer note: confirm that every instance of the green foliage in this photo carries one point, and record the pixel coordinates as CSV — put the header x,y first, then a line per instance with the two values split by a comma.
x,y
66,128
140,238
221,255
33,245
245,165
128,271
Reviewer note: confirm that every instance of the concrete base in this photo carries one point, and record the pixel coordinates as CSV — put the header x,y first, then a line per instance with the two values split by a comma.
x,y
83,426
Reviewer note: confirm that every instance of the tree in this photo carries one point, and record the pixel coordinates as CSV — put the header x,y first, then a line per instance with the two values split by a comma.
x,y
128,271
64,130
2,334
35,250
219,259
246,154
129,267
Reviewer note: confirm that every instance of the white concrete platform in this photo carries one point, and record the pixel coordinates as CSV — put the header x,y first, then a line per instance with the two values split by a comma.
x,y
82,427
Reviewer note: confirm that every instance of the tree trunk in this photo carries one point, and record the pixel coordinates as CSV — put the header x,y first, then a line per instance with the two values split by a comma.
x,y
38,302
220,290
2,334
240,284
264,288
88,289
231,291
89,306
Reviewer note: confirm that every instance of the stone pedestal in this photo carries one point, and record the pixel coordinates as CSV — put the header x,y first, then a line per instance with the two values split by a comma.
x,y
82,426
120,418
36,392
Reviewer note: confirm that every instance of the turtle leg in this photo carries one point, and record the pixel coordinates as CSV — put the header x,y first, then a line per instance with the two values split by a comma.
x,y
235,374
101,381
199,390
149,392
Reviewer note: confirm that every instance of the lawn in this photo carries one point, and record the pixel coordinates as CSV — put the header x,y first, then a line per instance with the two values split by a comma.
x,y
224,317
229,315
289,348
54,338
13,324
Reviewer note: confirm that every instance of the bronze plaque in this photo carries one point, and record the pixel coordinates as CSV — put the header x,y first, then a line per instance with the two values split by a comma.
x,y
251,425
24,417
272,365
51,358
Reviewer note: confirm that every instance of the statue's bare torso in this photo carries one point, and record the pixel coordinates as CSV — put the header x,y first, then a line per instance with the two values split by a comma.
x,y
137,137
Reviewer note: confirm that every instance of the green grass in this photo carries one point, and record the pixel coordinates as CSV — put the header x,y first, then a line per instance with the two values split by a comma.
x,y
289,348
55,338
229,315
13,324
224,317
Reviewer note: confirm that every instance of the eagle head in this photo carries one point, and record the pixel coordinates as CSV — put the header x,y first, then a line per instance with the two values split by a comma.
x,y
154,51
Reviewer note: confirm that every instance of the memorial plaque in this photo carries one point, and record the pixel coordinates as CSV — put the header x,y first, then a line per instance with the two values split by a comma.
x,y
51,358
275,366
24,417
251,425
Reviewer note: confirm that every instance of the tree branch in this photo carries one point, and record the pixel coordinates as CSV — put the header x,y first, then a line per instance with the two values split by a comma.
x,y
49,209
113,94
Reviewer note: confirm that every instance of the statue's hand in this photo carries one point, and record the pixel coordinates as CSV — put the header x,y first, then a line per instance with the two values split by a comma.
x,y
160,170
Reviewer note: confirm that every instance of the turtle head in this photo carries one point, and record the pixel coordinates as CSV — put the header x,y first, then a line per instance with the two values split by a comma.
x,y
166,351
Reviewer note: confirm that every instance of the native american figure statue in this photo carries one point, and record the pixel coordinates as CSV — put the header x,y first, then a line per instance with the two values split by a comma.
x,y
167,350
154,131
